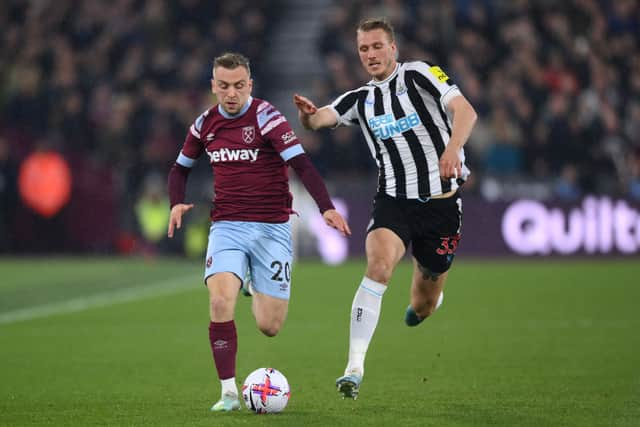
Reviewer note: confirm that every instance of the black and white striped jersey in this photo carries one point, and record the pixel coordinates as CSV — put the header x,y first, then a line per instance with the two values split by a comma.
x,y
404,121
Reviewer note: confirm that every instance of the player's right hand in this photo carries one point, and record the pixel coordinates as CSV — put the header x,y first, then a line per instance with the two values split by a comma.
x,y
450,164
175,218
304,104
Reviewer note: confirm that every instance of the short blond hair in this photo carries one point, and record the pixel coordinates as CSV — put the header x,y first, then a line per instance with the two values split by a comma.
x,y
231,60
371,24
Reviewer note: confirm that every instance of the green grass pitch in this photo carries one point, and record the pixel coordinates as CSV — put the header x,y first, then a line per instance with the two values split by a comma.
x,y
125,342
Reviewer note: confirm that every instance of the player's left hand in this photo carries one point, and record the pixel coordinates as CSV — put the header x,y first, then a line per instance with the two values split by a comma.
x,y
450,164
334,220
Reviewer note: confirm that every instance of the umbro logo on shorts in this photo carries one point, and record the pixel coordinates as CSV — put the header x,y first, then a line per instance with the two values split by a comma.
x,y
220,344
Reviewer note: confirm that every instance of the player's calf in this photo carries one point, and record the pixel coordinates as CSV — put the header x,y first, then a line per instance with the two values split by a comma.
x,y
412,317
269,330
270,313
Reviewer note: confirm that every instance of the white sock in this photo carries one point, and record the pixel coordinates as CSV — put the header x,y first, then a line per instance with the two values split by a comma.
x,y
365,312
229,386
440,298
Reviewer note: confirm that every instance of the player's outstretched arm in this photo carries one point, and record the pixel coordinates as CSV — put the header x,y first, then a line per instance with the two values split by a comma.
x,y
312,117
175,218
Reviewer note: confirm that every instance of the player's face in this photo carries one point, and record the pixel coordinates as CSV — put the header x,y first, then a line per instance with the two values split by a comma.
x,y
377,53
232,87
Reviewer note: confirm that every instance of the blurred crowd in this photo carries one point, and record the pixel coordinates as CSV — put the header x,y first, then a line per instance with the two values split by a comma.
x,y
556,86
113,85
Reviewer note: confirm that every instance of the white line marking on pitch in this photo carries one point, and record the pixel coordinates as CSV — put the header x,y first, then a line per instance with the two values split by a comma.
x,y
165,287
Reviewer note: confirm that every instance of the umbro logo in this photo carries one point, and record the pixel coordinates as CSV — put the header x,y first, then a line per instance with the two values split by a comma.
x,y
210,137
220,344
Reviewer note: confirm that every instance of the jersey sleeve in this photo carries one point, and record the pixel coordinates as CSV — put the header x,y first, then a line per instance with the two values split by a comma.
x,y
345,108
275,128
193,146
435,81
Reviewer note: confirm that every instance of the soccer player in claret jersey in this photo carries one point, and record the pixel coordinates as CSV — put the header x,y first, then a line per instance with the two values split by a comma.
x,y
402,113
249,145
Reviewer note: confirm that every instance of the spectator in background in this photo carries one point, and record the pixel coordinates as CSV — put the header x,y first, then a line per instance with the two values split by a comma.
x,y
8,195
116,82
634,175
504,156
567,187
152,216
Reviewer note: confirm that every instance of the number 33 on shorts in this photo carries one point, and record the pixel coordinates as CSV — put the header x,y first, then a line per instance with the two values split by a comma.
x,y
448,245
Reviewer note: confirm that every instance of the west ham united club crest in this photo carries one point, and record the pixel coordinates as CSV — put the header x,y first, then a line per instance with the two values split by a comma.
x,y
248,134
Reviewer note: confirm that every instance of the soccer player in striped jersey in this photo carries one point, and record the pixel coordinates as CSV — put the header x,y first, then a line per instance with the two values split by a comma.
x,y
249,145
402,113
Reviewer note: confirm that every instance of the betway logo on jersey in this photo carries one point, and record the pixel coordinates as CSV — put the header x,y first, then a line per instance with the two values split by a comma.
x,y
386,126
229,155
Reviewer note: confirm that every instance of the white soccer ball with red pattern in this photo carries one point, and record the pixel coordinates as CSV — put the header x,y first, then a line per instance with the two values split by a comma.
x,y
266,391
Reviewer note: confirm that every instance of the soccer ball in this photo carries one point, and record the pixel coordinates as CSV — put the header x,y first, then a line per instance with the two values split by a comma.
x,y
266,391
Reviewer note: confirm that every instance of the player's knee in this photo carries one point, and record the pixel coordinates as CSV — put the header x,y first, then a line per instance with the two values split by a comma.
x,y
220,305
379,270
427,274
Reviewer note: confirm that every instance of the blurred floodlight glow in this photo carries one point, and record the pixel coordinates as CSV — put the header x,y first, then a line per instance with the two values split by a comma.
x,y
332,246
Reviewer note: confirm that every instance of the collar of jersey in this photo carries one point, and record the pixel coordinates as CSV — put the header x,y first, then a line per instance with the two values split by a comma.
x,y
381,82
240,113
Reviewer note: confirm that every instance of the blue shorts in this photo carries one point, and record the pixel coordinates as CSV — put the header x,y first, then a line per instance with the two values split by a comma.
x,y
262,248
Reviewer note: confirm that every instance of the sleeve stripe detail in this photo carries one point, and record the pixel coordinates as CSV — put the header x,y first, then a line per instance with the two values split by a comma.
x,y
194,132
371,291
198,122
264,117
272,124
185,161
291,152
262,106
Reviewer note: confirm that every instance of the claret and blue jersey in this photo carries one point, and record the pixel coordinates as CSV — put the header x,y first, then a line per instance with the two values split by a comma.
x,y
247,153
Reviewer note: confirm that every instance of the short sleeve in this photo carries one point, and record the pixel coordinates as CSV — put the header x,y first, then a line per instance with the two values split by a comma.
x,y
434,80
192,146
275,128
346,108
